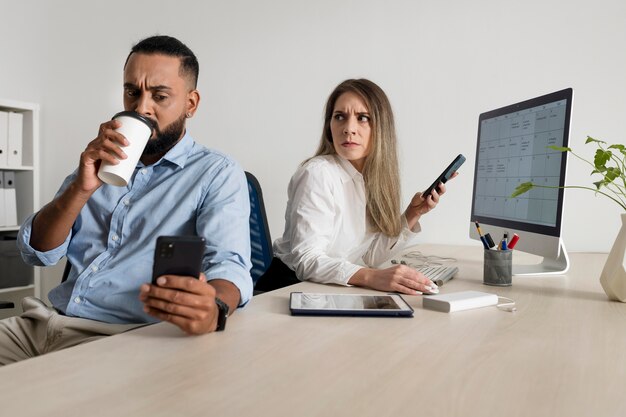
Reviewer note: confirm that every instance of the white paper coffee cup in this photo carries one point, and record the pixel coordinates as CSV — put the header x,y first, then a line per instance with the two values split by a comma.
x,y
137,129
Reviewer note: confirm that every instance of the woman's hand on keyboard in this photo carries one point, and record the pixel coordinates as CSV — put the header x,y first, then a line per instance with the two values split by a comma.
x,y
398,278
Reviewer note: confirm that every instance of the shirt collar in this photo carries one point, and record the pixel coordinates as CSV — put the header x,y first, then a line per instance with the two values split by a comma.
x,y
349,172
180,152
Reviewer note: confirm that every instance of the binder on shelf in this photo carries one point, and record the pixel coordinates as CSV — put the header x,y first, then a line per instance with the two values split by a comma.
x,y
4,138
10,199
14,158
2,200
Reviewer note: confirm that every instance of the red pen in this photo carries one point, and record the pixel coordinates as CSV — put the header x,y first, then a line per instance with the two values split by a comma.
x,y
513,241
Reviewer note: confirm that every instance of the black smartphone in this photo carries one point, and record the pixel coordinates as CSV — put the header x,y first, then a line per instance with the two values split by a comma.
x,y
178,255
446,174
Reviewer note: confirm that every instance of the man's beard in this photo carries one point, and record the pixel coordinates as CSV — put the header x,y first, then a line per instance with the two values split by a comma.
x,y
165,139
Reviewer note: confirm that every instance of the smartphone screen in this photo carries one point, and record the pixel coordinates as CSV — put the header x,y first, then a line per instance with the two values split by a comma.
x,y
178,255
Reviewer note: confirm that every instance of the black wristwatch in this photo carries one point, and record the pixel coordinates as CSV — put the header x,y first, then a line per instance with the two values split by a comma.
x,y
222,309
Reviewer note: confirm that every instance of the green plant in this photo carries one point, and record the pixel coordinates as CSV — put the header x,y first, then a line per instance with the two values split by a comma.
x,y
613,181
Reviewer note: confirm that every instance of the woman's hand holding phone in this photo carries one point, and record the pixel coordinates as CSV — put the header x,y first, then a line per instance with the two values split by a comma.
x,y
422,203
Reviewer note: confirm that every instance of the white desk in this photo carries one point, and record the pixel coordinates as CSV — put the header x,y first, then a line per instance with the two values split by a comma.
x,y
563,353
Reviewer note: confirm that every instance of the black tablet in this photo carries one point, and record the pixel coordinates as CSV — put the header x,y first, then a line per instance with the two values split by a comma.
x,y
303,303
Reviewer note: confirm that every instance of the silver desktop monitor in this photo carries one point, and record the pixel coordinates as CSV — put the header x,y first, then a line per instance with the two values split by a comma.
x,y
513,148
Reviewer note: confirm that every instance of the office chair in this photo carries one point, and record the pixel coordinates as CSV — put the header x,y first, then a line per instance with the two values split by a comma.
x,y
66,271
6,304
260,240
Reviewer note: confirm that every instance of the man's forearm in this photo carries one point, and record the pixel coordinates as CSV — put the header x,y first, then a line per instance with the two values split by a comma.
x,y
54,221
227,292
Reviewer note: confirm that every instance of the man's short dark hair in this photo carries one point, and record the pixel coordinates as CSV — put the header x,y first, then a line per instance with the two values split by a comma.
x,y
167,45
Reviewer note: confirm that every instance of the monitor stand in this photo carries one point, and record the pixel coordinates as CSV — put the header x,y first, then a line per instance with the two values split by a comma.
x,y
548,266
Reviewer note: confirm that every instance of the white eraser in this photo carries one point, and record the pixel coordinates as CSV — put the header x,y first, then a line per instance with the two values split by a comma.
x,y
458,301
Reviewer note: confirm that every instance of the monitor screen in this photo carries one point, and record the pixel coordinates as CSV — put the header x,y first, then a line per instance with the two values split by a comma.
x,y
513,148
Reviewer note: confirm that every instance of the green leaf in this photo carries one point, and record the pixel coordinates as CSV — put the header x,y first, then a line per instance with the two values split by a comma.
x,y
611,174
601,158
598,184
619,147
590,139
522,188
559,148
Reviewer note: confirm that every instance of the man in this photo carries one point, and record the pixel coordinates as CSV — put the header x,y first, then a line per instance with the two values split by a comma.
x,y
108,233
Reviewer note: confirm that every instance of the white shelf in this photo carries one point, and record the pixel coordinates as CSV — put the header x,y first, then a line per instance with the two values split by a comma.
x,y
21,168
26,182
13,289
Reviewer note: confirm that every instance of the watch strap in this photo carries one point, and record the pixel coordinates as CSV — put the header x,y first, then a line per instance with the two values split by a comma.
x,y
222,315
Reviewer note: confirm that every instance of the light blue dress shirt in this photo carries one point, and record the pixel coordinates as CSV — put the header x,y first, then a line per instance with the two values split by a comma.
x,y
191,191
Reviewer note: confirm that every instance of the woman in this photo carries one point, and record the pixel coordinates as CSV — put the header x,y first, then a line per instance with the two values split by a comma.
x,y
343,215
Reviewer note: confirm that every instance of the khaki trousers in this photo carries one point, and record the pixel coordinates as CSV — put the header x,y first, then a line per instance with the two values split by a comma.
x,y
40,329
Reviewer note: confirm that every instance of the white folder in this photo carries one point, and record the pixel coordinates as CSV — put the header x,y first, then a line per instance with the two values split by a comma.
x,y
4,138
10,199
15,140
2,201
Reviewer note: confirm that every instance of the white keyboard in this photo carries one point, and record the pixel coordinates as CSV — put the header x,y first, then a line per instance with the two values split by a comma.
x,y
438,274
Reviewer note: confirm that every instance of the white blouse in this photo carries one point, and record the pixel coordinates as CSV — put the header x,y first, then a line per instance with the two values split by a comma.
x,y
326,235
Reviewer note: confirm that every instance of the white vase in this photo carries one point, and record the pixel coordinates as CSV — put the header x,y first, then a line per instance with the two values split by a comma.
x,y
613,278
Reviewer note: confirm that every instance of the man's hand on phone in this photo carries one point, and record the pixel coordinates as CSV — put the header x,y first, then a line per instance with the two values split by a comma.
x,y
187,302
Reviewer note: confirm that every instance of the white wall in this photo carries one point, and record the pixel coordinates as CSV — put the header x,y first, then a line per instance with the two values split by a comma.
x,y
21,31
266,69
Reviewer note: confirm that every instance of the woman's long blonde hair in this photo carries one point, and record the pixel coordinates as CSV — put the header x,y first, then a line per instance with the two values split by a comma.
x,y
380,171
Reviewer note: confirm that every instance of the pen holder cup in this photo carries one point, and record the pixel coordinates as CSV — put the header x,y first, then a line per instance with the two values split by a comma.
x,y
498,268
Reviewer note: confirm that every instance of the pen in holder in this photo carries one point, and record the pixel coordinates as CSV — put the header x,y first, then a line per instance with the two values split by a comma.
x,y
498,267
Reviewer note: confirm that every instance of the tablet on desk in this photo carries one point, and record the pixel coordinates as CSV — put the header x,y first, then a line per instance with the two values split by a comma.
x,y
303,303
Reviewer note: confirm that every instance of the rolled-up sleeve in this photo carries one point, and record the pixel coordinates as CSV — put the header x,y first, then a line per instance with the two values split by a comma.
x,y
224,221
34,257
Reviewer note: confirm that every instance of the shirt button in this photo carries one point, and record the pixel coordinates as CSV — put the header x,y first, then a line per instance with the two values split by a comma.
x,y
77,300
126,202
114,237
94,268
143,171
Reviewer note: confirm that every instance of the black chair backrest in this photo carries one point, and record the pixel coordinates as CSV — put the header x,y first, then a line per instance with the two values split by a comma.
x,y
66,271
260,239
